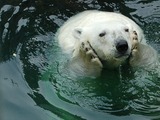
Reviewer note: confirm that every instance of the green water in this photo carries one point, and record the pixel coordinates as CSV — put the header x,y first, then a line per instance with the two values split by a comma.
x,y
32,84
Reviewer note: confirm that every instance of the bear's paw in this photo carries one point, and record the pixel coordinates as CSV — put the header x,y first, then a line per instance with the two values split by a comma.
x,y
90,54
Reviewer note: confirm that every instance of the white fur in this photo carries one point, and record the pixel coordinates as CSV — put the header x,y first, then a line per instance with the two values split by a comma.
x,y
87,26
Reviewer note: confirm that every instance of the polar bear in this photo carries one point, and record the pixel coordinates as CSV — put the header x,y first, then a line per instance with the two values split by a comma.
x,y
95,40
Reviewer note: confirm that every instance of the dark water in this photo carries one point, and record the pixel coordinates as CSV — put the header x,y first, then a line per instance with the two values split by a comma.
x,y
32,86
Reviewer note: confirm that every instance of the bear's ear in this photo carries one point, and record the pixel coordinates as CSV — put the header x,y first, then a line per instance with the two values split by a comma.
x,y
77,33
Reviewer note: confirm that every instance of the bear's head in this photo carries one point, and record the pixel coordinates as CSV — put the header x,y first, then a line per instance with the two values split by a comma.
x,y
111,41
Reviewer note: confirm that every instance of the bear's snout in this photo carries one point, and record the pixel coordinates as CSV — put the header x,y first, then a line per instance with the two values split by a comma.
x,y
122,46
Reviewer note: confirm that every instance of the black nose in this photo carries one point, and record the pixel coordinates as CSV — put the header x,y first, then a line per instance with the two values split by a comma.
x,y
122,46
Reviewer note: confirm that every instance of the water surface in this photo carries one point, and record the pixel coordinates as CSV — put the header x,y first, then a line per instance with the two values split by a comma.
x,y
32,86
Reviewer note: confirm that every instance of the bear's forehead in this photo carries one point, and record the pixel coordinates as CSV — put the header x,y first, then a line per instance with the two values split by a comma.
x,y
110,25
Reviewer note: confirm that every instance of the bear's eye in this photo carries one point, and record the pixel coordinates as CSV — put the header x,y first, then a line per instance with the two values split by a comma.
x,y
102,34
126,30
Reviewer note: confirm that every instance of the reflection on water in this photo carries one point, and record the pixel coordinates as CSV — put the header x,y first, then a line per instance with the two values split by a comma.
x,y
32,85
